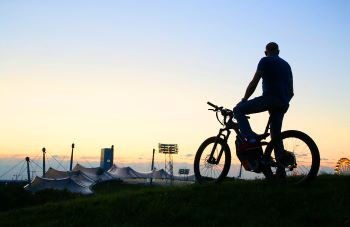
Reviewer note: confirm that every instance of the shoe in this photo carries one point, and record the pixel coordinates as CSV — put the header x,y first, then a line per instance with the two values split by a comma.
x,y
280,173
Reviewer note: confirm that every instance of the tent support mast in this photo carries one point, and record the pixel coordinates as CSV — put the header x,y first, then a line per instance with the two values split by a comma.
x,y
152,166
28,170
71,158
44,151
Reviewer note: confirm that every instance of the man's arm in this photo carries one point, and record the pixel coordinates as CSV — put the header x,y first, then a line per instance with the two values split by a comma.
x,y
252,85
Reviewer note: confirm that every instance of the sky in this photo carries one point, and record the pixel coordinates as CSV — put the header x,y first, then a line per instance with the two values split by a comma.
x,y
138,73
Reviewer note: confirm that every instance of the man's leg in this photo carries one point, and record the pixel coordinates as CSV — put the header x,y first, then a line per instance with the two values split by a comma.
x,y
256,105
276,119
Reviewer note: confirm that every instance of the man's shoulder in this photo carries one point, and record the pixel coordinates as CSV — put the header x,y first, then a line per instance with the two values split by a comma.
x,y
267,60
262,64
276,59
285,63
263,59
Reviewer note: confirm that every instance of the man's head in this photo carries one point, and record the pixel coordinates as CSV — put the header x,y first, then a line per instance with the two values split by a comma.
x,y
272,49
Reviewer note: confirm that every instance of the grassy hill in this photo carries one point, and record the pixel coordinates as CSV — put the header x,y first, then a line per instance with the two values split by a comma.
x,y
326,202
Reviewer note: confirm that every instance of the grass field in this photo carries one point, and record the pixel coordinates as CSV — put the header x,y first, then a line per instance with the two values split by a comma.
x,y
326,202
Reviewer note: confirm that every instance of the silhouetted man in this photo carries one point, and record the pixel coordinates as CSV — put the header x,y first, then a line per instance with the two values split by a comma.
x,y
277,86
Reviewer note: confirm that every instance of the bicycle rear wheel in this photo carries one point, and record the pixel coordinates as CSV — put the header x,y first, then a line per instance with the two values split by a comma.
x,y
306,154
206,172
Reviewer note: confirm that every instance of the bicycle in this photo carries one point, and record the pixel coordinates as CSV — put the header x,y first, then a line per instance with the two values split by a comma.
x,y
213,158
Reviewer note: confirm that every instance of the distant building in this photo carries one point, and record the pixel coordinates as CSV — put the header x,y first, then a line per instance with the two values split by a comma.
x,y
107,158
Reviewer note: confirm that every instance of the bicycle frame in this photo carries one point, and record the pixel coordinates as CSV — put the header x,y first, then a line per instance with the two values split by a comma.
x,y
228,125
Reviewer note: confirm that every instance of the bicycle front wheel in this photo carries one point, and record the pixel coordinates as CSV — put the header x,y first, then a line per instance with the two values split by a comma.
x,y
205,170
307,157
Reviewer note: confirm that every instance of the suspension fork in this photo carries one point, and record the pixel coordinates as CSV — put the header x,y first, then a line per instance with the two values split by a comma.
x,y
212,160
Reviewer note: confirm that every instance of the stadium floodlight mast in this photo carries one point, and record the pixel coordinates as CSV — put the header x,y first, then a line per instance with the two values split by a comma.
x,y
168,150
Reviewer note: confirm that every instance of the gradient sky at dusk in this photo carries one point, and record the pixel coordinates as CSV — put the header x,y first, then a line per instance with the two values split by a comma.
x,y
136,73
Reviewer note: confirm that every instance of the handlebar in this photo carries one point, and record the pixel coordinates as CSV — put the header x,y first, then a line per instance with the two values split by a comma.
x,y
223,111
212,105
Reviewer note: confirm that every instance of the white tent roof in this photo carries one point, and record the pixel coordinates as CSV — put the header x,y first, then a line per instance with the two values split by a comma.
x,y
78,181
40,183
55,174
96,174
126,172
77,176
81,178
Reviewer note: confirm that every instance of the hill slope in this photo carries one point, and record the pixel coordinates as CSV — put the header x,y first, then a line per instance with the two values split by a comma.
x,y
248,203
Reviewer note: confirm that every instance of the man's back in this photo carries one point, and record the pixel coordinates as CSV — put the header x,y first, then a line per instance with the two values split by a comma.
x,y
277,78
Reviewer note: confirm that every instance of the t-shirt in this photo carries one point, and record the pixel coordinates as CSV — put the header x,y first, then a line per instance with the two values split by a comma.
x,y
277,78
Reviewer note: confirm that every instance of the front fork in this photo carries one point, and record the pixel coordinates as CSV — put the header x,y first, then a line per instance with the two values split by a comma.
x,y
221,135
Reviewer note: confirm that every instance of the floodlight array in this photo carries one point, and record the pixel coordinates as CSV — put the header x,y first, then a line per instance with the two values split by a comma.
x,y
168,148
